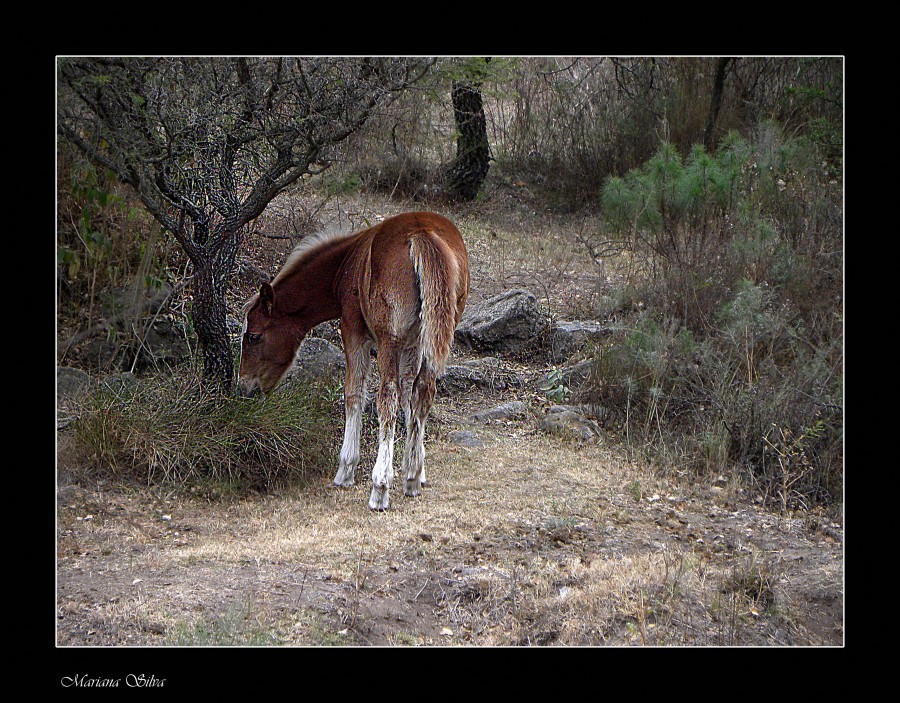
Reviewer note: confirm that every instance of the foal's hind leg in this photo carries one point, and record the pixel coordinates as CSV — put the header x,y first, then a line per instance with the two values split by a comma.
x,y
410,361
358,363
414,456
388,401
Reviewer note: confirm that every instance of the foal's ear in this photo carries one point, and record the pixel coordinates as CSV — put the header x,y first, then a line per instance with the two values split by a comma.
x,y
267,297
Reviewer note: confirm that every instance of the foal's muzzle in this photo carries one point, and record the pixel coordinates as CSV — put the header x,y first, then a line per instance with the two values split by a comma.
x,y
248,388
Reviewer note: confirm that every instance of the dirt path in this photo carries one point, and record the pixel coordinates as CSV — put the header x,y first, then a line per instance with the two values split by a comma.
x,y
528,540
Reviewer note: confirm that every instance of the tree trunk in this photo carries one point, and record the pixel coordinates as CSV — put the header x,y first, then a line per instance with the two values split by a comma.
x,y
470,168
212,272
716,102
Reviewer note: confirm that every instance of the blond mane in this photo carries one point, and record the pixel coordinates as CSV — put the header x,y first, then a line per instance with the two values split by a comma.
x,y
309,244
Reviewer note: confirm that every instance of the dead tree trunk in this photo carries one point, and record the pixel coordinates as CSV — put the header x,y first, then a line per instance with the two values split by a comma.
x,y
470,168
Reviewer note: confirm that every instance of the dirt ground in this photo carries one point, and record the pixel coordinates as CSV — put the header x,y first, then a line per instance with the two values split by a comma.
x,y
527,540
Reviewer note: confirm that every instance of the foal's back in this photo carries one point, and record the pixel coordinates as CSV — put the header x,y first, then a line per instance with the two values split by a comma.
x,y
382,279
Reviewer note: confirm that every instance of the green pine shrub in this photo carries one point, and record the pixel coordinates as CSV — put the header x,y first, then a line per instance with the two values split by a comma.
x,y
735,359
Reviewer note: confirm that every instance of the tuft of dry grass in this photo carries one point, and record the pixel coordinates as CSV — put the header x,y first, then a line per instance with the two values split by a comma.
x,y
167,431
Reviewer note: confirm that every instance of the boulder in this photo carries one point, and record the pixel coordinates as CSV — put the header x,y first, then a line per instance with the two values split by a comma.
x,y
504,411
570,336
486,373
507,323
164,344
71,382
465,438
570,376
569,422
317,360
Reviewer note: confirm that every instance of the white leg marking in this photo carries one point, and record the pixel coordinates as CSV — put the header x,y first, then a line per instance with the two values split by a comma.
x,y
383,471
355,385
350,449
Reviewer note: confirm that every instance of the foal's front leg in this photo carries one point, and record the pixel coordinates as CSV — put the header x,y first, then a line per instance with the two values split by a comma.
x,y
358,363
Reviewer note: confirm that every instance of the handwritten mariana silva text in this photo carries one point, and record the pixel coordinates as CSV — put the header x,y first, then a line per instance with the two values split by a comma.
x,y
131,681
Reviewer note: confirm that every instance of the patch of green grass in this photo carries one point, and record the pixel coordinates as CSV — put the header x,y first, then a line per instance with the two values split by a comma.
x,y
634,489
236,628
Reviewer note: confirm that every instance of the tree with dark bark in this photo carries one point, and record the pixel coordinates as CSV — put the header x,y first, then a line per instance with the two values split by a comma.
x,y
470,167
207,143
715,104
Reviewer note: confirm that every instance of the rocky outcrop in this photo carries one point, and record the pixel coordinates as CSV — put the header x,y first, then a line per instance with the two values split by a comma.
x,y
485,373
465,438
568,376
132,334
570,336
511,323
508,323
71,383
504,411
317,360
568,420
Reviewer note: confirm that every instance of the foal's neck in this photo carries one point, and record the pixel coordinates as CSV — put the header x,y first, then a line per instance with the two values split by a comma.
x,y
308,289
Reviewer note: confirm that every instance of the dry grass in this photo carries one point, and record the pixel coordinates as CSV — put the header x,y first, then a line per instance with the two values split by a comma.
x,y
528,541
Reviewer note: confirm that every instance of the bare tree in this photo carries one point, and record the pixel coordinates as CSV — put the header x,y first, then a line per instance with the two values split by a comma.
x,y
207,143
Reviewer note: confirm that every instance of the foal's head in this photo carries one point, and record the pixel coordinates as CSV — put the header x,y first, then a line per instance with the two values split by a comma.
x,y
268,344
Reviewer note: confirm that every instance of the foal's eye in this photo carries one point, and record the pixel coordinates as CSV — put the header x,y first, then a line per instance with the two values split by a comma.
x,y
253,338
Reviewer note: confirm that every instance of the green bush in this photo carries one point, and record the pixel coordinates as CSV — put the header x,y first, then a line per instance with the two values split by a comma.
x,y
736,358
104,240
166,431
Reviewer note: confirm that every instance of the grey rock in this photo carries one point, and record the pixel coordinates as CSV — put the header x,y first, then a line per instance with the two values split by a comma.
x,y
504,411
590,410
465,438
71,382
132,298
569,376
507,323
317,360
99,352
71,385
571,423
163,344
486,372
568,337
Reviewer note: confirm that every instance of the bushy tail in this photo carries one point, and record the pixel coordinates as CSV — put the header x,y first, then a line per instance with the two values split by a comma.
x,y
438,272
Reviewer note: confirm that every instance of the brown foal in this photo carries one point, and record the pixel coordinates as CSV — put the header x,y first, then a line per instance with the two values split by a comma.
x,y
399,287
